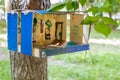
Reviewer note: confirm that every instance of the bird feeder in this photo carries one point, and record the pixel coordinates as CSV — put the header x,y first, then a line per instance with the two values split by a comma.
x,y
36,32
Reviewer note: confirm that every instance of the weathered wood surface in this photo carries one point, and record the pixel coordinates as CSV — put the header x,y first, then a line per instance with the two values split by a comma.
x,y
62,18
76,29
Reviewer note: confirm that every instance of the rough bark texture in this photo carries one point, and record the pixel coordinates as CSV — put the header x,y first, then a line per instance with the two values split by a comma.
x,y
24,67
28,68
38,4
30,4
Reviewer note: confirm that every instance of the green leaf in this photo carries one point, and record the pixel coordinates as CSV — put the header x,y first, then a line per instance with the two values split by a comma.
x,y
105,9
75,5
90,20
69,5
57,7
94,10
82,2
103,28
110,21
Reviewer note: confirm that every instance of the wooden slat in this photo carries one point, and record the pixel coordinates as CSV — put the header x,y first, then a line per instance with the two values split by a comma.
x,y
26,33
66,50
76,29
52,28
12,20
38,37
62,18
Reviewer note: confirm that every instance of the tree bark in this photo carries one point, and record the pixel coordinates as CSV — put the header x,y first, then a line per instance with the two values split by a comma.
x,y
24,67
28,68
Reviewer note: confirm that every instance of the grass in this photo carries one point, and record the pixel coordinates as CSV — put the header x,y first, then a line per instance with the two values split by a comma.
x,y
5,70
103,65
106,69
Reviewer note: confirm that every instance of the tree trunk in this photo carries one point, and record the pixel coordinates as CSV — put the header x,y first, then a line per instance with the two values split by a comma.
x,y
28,68
24,67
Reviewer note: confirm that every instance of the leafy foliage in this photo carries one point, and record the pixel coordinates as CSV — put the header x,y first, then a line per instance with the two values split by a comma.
x,y
102,24
57,7
109,21
71,5
89,20
75,5
112,5
1,2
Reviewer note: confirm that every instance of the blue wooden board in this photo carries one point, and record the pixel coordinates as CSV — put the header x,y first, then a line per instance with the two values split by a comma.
x,y
41,11
77,48
26,33
56,51
12,24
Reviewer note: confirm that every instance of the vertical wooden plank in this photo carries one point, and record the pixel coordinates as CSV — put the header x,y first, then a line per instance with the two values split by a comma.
x,y
38,29
63,19
76,29
12,23
19,28
49,28
26,33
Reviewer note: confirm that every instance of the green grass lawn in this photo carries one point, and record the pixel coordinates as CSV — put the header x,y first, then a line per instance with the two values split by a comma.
x,y
107,68
103,65
5,70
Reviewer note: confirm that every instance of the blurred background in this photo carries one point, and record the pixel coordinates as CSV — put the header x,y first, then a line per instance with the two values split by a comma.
x,y
102,62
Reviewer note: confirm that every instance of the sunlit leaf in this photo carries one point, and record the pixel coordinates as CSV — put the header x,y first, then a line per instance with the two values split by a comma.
x,y
105,9
57,7
82,2
75,5
90,20
108,20
94,10
69,5
103,28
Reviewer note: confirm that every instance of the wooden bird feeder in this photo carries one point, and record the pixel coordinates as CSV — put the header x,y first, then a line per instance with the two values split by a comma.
x,y
36,32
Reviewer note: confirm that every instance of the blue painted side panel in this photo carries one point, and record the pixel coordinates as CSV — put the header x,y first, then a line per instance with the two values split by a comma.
x,y
56,51
26,33
12,24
